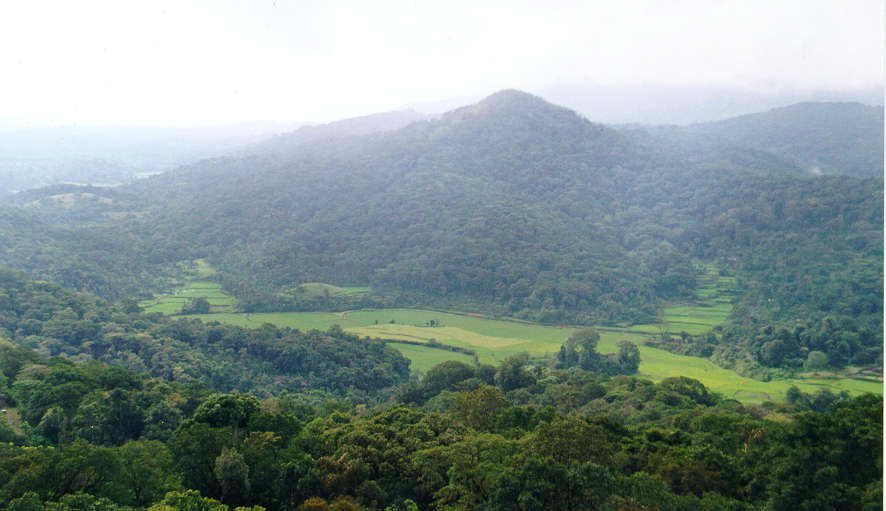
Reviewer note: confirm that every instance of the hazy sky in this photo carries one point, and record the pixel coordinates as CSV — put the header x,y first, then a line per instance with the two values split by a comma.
x,y
190,61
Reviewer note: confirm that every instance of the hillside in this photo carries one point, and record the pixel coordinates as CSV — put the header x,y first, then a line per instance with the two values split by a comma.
x,y
511,206
284,143
823,138
466,208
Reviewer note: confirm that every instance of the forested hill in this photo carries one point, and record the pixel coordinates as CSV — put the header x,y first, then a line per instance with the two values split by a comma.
x,y
828,138
513,206
512,202
358,126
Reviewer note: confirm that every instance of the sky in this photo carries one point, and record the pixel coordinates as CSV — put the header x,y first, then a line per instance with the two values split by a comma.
x,y
195,62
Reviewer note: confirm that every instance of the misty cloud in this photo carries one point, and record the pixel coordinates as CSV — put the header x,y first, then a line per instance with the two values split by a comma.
x,y
221,61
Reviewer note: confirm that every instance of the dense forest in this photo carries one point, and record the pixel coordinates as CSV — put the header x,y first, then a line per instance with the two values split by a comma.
x,y
55,322
107,408
307,255
520,437
821,138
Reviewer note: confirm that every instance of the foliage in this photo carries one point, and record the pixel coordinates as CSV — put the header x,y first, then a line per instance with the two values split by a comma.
x,y
57,322
580,350
513,437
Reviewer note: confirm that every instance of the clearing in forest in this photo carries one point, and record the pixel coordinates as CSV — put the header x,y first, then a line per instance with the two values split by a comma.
x,y
493,340
468,332
175,301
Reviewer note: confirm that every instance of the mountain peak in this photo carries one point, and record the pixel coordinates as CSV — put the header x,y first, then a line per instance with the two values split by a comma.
x,y
511,96
514,104
515,100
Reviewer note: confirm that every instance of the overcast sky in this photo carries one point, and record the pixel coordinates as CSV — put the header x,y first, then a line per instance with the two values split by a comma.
x,y
186,62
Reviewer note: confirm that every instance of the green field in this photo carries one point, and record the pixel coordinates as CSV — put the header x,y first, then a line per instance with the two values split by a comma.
x,y
425,358
711,307
320,289
173,302
494,340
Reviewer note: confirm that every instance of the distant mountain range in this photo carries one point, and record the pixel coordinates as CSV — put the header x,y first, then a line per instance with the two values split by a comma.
x,y
32,157
687,104
816,138
656,103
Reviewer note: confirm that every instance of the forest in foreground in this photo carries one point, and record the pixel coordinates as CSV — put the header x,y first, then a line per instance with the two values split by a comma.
x,y
107,408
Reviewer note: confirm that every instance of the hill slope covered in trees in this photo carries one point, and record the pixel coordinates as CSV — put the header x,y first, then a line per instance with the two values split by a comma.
x,y
512,206
826,138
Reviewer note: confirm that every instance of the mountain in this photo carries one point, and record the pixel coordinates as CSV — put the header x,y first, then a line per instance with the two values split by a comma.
x,y
512,206
828,138
376,123
496,203
684,104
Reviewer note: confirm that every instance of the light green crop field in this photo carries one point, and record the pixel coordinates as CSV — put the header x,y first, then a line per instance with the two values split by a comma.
x,y
172,303
495,340
423,358
321,289
711,307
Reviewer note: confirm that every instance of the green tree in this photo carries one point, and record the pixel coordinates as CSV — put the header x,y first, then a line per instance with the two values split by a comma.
x,y
196,447
815,361
570,439
30,501
445,376
197,306
232,410
628,357
108,418
513,374
232,473
479,408
148,469
187,500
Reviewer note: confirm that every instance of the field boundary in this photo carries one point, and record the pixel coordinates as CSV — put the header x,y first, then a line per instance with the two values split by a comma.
x,y
435,345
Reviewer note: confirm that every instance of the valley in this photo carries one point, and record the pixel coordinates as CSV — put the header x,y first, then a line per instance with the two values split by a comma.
x,y
495,339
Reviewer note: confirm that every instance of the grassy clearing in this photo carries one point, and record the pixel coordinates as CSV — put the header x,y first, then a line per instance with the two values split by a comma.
x,y
320,289
425,358
711,307
494,340
172,303
219,301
